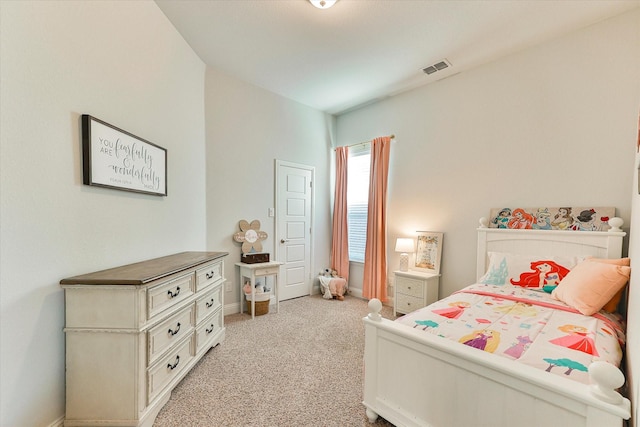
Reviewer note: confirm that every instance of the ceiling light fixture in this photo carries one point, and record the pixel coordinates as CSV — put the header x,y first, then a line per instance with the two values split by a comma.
x,y
323,4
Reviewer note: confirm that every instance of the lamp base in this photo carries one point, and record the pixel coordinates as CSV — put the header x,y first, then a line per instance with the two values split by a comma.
x,y
404,262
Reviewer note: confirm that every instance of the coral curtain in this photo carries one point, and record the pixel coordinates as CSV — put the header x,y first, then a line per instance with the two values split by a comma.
x,y
375,254
340,234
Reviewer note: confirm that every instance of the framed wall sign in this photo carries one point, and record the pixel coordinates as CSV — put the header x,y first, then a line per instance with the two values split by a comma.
x,y
114,158
429,251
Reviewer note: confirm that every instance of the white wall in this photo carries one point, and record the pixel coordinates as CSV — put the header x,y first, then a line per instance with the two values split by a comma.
x,y
550,126
124,63
633,315
247,129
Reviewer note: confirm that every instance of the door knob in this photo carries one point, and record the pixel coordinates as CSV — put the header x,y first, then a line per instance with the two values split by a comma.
x,y
284,240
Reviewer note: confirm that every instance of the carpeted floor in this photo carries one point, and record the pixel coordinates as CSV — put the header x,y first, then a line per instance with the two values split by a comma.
x,y
300,367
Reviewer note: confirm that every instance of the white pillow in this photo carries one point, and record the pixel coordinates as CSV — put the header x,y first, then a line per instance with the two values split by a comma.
x,y
528,271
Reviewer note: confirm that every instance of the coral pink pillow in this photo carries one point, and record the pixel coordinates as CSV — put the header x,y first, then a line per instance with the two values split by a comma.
x,y
590,285
612,305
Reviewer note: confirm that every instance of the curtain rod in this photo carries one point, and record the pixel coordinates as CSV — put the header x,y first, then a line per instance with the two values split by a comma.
x,y
392,136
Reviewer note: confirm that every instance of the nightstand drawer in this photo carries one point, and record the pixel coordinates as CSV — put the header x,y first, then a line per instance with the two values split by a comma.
x,y
267,271
414,290
410,287
407,304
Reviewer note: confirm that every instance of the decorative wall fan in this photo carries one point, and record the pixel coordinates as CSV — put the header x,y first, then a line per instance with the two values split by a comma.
x,y
250,236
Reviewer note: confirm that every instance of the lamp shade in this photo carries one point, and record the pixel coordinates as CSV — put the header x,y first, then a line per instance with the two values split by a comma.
x,y
404,245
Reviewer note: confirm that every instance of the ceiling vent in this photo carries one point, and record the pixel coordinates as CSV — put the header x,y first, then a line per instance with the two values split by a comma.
x,y
437,67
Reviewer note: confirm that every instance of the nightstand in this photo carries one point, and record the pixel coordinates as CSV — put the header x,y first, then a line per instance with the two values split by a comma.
x,y
413,290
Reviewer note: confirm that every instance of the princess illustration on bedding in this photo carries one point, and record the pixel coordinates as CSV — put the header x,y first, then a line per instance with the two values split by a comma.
x,y
519,323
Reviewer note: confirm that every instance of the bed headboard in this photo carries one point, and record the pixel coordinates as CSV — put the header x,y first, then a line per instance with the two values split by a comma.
x,y
599,244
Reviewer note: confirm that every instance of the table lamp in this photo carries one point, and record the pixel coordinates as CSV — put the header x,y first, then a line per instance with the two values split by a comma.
x,y
404,246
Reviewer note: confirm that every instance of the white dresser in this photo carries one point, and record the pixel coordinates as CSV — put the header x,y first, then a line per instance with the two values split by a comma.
x,y
133,332
414,290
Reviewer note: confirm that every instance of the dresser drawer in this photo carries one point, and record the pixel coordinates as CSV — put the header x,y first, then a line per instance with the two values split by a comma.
x,y
170,331
166,295
168,368
209,275
407,304
409,286
209,328
208,303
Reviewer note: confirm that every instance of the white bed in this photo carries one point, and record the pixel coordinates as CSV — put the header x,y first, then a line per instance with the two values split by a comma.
x,y
413,379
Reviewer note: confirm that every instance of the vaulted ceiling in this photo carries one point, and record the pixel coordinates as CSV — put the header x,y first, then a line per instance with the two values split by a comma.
x,y
360,51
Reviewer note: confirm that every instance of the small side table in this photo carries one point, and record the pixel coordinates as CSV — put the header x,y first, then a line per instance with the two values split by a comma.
x,y
413,290
260,269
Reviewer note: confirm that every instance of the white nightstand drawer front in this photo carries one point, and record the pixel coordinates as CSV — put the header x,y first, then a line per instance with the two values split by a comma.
x,y
267,271
170,331
209,328
208,275
208,303
169,367
407,304
410,287
169,294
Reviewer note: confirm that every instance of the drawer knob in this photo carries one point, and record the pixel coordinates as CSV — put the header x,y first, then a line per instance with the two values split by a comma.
x,y
172,332
408,287
173,295
210,275
172,367
210,304
208,331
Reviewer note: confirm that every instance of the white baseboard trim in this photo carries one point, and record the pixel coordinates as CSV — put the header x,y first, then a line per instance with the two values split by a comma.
x,y
234,307
356,293
57,423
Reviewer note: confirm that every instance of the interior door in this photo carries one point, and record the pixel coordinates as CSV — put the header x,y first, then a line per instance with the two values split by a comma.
x,y
294,216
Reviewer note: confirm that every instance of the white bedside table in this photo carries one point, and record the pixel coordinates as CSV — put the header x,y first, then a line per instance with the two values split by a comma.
x,y
413,290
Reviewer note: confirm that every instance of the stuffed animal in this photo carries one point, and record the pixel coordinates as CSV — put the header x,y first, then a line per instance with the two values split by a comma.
x,y
332,285
329,272
247,288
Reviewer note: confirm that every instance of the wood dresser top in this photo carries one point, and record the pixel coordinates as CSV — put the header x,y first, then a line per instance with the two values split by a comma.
x,y
144,272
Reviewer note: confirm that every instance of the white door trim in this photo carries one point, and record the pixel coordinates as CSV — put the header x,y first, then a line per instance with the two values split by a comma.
x,y
312,169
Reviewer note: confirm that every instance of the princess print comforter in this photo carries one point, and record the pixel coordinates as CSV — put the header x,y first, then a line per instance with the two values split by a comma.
x,y
524,325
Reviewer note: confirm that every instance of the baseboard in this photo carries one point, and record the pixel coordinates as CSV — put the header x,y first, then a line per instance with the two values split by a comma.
x,y
232,308
57,423
356,293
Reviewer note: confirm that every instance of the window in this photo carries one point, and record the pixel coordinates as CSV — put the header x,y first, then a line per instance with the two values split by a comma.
x,y
357,199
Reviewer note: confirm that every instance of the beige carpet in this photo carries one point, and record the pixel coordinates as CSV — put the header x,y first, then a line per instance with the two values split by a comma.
x,y
300,367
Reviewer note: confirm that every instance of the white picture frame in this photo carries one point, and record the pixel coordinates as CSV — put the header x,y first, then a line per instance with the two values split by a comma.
x,y
428,251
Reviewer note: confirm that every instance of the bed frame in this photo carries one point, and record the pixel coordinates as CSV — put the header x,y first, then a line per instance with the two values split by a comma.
x,y
415,379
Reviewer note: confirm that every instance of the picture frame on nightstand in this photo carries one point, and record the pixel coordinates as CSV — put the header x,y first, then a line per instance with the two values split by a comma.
x,y
429,251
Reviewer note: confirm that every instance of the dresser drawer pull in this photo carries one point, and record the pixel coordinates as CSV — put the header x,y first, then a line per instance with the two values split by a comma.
x,y
208,331
171,332
172,367
171,294
210,275
210,304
